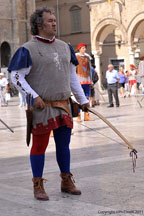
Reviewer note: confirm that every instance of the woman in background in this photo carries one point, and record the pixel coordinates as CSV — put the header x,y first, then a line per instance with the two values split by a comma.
x,y
122,80
132,79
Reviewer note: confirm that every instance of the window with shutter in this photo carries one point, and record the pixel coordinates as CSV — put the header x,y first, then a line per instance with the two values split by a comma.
x,y
75,13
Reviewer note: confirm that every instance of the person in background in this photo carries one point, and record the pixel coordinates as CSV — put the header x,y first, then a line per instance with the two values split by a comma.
x,y
138,80
141,72
22,98
112,78
127,89
95,94
132,79
84,75
122,79
4,89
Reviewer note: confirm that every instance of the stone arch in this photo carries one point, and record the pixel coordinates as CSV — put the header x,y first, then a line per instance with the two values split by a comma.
x,y
5,54
75,7
101,26
133,26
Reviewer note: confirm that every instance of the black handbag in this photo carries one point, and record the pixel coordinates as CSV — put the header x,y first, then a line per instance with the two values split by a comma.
x,y
74,107
95,77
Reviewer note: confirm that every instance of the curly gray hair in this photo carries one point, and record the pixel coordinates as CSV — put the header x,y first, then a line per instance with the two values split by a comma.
x,y
36,19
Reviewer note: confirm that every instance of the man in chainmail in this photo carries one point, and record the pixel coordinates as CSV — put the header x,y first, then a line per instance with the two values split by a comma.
x,y
45,68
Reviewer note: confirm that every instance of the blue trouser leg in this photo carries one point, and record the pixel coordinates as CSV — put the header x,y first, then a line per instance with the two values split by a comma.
x,y
86,89
62,137
37,165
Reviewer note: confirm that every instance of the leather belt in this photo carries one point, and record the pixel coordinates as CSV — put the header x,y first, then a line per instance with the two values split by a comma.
x,y
112,83
59,104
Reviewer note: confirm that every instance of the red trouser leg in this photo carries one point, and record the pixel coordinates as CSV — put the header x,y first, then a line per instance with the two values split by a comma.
x,y
37,155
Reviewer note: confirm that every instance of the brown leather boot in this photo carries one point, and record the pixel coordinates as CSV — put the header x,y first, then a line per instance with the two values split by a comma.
x,y
67,184
39,192
86,117
79,118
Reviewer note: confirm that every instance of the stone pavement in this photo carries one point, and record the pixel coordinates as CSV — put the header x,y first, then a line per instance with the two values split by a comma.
x,y
100,164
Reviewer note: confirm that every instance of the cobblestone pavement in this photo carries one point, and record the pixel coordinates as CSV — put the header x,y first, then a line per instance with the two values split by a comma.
x,y
100,163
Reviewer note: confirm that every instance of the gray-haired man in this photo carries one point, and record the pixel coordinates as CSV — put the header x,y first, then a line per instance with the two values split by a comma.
x,y
112,81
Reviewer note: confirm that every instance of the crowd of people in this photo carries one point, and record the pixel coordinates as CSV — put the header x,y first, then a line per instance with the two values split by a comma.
x,y
131,81
124,83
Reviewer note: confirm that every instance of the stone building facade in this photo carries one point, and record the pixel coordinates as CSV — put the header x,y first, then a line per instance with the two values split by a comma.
x,y
117,33
113,32
72,19
14,31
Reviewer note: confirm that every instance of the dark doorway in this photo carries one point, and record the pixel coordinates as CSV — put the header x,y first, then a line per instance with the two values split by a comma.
x,y
5,54
117,63
108,52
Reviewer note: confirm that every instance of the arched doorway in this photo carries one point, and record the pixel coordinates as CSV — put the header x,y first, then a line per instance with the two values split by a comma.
x,y
136,37
111,43
5,54
138,40
108,46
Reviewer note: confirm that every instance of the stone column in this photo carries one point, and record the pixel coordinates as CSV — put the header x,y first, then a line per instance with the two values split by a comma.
x,y
30,8
15,27
97,54
131,55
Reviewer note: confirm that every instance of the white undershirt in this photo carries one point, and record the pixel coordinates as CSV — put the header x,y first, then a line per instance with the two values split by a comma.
x,y
18,78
